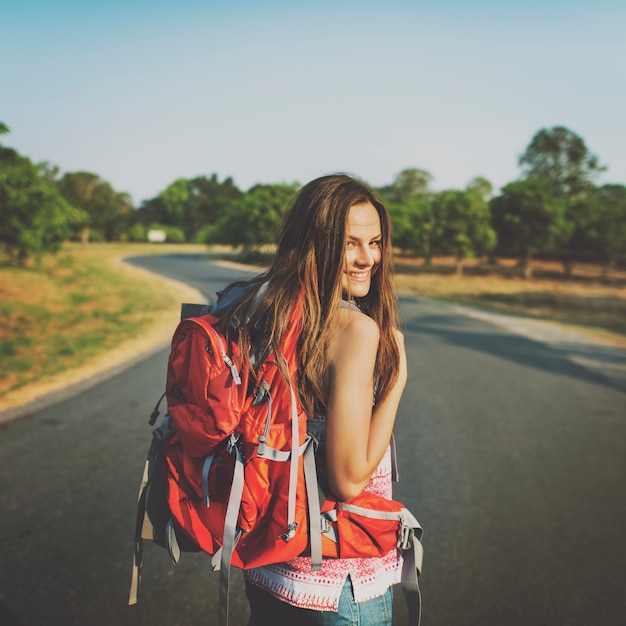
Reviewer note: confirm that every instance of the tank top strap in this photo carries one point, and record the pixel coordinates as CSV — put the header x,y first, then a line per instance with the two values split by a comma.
x,y
346,304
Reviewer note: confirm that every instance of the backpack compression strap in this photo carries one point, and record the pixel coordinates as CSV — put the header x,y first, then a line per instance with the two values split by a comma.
x,y
231,532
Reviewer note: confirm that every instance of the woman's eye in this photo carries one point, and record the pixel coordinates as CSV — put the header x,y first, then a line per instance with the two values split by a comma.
x,y
376,243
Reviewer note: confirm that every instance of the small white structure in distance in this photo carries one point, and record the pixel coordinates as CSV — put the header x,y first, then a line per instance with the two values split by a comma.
x,y
156,236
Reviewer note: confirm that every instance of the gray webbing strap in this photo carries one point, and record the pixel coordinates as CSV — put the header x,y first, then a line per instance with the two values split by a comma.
x,y
233,368
395,472
315,528
172,542
205,478
230,535
272,454
216,559
413,556
293,466
411,567
373,514
141,512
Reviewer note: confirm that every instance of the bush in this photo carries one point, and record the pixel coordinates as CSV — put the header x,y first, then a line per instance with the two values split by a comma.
x,y
137,234
207,234
174,235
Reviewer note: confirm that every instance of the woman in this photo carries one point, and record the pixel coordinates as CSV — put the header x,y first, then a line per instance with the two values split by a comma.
x,y
336,247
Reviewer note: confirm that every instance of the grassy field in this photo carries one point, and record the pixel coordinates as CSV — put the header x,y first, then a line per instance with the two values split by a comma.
x,y
586,299
85,303
74,308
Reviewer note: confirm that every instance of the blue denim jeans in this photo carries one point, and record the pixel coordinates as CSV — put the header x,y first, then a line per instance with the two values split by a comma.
x,y
266,610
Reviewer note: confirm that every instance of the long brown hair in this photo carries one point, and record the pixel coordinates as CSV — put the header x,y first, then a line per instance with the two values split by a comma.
x,y
310,260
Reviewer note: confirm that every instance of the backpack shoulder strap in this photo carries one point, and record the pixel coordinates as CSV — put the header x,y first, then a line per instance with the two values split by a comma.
x,y
189,309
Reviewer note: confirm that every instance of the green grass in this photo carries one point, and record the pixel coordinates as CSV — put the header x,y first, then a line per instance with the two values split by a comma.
x,y
71,307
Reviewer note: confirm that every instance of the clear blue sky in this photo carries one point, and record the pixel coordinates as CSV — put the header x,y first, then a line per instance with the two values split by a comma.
x,y
144,92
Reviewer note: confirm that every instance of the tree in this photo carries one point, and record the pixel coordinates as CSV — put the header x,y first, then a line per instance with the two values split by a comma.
x,y
190,205
110,212
254,219
598,228
107,211
529,219
560,156
208,199
481,187
174,200
409,184
462,219
49,172
581,214
77,187
34,217
151,211
413,227
611,224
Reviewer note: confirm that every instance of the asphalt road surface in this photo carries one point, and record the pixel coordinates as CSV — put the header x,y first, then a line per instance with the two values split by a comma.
x,y
512,458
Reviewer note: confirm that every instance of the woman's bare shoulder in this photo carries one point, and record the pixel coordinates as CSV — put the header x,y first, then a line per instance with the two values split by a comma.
x,y
354,332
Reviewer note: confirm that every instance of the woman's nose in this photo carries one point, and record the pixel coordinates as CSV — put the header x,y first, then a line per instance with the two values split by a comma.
x,y
365,256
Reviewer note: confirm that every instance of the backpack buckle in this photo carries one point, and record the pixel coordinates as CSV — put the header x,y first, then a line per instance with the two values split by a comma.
x,y
325,524
231,444
407,534
290,532
261,391
314,440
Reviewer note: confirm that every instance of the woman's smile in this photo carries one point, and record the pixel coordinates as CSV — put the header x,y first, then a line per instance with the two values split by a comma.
x,y
363,250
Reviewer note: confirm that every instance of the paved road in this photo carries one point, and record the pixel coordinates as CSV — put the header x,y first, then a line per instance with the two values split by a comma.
x,y
512,457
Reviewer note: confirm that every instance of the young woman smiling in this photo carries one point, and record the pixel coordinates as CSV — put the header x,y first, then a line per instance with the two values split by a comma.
x,y
335,253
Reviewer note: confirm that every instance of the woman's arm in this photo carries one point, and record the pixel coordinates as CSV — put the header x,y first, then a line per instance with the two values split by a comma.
x,y
357,434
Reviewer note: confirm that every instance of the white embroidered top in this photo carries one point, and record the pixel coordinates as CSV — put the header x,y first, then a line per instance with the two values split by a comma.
x,y
294,582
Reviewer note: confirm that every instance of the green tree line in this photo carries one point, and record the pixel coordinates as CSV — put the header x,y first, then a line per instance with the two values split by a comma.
x,y
553,210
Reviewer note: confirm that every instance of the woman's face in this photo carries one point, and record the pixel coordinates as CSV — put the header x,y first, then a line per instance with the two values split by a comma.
x,y
363,250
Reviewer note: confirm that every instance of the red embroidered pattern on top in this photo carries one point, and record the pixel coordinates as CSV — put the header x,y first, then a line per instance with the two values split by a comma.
x,y
294,582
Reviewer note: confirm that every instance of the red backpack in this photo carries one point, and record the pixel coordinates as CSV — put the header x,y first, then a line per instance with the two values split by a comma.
x,y
231,470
